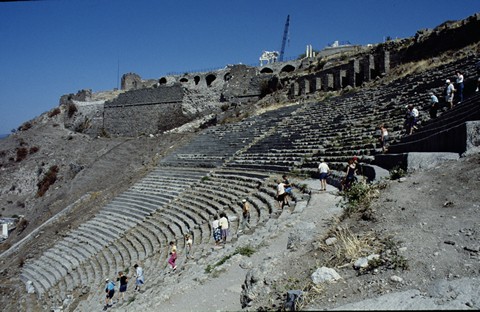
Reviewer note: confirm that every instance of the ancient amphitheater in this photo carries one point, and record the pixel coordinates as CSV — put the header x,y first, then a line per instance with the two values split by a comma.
x,y
228,162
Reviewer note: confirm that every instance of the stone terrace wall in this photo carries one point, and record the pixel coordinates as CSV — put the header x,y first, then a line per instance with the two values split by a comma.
x,y
145,111
352,73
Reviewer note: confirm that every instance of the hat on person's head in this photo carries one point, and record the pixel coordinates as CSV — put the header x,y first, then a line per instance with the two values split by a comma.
x,y
448,81
322,160
244,201
355,158
431,93
106,280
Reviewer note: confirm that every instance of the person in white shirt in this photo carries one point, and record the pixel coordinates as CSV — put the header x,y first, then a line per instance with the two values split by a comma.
x,y
434,105
324,171
460,86
449,93
139,281
223,223
281,194
217,231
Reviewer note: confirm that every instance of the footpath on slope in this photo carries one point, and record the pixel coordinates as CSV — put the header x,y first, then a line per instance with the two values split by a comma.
x,y
436,220
221,289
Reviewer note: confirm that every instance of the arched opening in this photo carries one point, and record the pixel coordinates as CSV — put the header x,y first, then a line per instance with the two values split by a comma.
x,y
266,70
162,81
196,79
287,69
209,79
227,77
183,80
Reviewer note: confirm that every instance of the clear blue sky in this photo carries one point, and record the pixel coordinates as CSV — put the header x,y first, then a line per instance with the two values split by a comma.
x,y
55,47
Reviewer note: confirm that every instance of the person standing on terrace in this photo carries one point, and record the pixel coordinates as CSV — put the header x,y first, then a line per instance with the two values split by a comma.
x,y
217,231
324,170
450,90
384,138
459,86
433,106
224,226
288,189
281,194
245,215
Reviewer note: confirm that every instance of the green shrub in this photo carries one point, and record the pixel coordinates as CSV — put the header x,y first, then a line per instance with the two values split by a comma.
x,y
245,251
358,198
397,173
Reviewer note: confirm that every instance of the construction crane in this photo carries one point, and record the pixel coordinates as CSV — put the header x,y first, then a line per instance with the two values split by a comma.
x,y
284,40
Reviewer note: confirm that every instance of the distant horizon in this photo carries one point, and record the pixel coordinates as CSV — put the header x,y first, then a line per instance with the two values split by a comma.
x,y
53,48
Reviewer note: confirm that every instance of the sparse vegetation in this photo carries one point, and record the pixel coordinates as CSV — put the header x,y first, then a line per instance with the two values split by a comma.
x,y
34,149
22,225
71,109
224,107
104,133
397,173
244,251
49,179
25,126
22,153
54,112
358,198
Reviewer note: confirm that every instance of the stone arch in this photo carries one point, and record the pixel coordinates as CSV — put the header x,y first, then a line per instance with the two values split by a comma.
x,y
183,80
196,79
287,69
266,70
227,77
209,79
162,81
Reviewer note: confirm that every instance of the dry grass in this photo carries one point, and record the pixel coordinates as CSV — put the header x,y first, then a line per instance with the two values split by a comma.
x,y
350,247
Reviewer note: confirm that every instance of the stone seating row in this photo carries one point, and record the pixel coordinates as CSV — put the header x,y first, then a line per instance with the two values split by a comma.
x,y
115,258
117,217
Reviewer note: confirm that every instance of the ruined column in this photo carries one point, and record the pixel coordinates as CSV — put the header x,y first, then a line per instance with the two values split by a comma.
x,y
306,86
353,71
330,85
368,67
318,83
340,76
384,62
295,89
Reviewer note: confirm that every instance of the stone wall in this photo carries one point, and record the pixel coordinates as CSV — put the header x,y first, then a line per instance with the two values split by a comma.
x,y
145,111
352,73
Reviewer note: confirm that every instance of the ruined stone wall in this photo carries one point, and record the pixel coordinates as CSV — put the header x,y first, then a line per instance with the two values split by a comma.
x,y
145,111
84,95
448,36
352,73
